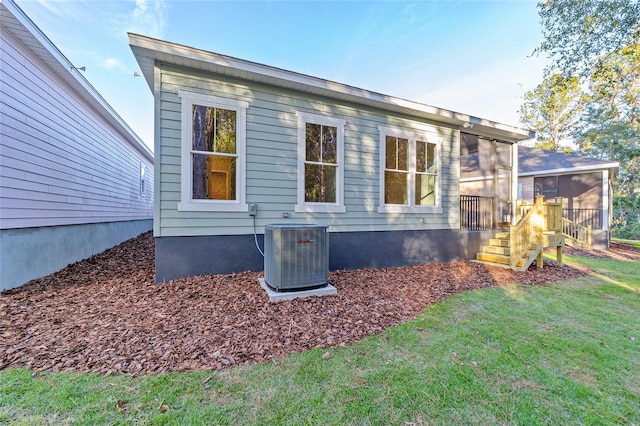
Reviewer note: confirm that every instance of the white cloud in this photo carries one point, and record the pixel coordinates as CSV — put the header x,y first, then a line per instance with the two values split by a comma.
x,y
149,17
51,6
113,64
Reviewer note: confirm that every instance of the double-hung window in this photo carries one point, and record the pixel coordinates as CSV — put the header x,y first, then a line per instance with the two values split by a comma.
x,y
320,164
409,172
213,153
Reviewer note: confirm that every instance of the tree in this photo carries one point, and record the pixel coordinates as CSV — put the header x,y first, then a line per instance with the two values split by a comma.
x,y
612,119
611,126
577,33
612,131
599,43
552,109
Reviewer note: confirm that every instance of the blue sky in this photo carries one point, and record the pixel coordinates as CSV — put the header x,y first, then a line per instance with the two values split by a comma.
x,y
469,56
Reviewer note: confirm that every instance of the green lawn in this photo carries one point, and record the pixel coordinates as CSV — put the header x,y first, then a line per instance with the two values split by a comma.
x,y
564,354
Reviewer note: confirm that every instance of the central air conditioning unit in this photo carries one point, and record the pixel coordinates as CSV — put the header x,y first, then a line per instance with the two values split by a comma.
x,y
296,256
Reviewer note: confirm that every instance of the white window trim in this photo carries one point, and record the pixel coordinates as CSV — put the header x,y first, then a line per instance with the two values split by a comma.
x,y
412,137
305,207
240,107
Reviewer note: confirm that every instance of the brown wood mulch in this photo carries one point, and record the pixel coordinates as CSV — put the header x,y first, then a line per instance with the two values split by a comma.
x,y
106,314
619,251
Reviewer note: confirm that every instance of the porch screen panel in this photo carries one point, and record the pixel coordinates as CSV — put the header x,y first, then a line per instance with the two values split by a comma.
x,y
504,184
503,154
546,186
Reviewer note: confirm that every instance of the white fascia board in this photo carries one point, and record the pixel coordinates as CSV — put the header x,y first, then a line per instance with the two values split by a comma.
x,y
59,63
148,50
492,129
568,170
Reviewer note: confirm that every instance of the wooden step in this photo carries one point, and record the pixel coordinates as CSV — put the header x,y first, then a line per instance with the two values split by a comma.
x,y
499,242
531,255
495,258
498,258
496,250
486,262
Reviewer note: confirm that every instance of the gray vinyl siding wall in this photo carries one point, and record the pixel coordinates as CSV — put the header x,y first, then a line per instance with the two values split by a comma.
x,y
271,164
62,163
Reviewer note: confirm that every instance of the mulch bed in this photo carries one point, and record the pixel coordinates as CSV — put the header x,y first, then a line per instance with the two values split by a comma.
x,y
619,251
106,314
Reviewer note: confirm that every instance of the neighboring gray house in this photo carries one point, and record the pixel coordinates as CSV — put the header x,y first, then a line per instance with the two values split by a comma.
x,y
584,183
74,178
382,173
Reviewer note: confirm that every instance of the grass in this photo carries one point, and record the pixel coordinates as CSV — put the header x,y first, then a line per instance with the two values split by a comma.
x,y
635,243
568,353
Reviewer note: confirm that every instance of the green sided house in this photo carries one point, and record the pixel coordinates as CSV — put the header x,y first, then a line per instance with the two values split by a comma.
x,y
382,173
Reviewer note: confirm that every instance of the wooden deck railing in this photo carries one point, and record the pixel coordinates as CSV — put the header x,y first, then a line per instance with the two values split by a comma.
x,y
476,212
553,216
585,217
522,209
579,236
575,224
552,212
527,232
534,221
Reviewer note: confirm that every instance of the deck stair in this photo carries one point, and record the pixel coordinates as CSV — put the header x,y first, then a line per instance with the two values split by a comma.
x,y
498,253
538,227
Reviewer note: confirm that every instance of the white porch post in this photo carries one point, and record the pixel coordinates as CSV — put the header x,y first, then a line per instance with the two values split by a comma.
x,y
605,200
514,181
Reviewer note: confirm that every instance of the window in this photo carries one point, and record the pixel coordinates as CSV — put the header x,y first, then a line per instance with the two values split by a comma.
x,y
143,183
396,171
320,164
426,173
409,178
213,153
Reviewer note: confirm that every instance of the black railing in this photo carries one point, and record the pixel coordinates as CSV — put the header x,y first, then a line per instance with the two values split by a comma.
x,y
476,213
584,217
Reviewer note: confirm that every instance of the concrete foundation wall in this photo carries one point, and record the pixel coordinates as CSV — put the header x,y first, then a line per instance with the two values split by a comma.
x,y
178,257
29,253
600,239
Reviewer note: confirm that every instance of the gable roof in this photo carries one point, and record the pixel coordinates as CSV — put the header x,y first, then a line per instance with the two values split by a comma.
x,y
534,161
22,28
148,51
